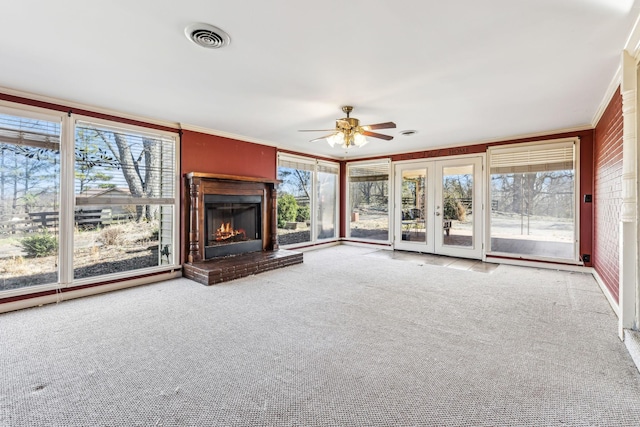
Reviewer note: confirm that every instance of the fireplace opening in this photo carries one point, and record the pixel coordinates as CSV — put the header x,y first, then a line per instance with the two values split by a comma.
x,y
233,224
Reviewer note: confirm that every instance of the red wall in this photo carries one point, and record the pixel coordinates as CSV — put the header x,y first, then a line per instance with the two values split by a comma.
x,y
608,194
586,173
215,154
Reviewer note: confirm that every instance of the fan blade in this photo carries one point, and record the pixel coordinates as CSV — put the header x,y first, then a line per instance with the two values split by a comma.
x,y
377,135
316,130
387,125
323,137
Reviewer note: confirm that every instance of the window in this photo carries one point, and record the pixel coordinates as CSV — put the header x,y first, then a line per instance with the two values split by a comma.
x,y
369,200
125,199
29,200
533,200
81,200
328,182
307,200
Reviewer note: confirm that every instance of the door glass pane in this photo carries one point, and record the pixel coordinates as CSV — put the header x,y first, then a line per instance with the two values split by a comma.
x,y
29,201
294,203
457,205
369,201
532,194
413,195
327,198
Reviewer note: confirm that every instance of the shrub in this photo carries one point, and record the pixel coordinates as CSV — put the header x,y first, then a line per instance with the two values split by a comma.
x,y
111,236
449,210
40,245
287,209
454,209
304,213
461,211
15,266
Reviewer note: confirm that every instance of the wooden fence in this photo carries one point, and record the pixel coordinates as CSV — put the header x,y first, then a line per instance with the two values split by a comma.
x,y
42,221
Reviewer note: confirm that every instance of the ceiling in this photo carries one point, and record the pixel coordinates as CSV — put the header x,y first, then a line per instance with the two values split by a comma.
x,y
457,72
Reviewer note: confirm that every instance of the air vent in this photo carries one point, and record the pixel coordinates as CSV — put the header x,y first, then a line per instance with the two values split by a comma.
x,y
206,35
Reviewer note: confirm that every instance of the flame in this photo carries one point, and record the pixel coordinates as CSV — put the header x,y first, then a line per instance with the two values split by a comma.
x,y
227,232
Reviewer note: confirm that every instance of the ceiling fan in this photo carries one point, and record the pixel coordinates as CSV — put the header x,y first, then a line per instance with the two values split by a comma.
x,y
348,131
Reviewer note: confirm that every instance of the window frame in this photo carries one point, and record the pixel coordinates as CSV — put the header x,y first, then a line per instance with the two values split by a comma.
x,y
314,163
37,113
336,213
138,130
390,186
542,144
68,121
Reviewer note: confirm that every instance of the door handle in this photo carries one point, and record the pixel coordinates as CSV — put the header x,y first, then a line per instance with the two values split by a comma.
x,y
437,213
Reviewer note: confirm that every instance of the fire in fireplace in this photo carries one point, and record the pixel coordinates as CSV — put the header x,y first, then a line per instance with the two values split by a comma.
x,y
232,224
226,234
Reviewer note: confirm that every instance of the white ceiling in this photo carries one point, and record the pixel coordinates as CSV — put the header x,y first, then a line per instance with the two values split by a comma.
x,y
458,71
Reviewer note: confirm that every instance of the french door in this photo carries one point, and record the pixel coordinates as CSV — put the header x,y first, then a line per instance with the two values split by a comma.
x,y
438,207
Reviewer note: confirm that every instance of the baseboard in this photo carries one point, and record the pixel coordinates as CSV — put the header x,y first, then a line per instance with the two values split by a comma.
x,y
537,264
632,342
382,246
614,305
87,291
311,247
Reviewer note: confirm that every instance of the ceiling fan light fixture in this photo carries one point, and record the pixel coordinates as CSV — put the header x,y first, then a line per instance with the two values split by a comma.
x,y
360,140
336,139
348,132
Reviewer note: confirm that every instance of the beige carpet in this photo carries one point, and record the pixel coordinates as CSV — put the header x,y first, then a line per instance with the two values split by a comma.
x,y
350,337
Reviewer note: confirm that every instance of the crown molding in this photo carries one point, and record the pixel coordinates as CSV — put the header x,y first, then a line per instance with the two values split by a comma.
x,y
207,131
338,157
632,46
76,105
483,141
244,138
633,41
615,82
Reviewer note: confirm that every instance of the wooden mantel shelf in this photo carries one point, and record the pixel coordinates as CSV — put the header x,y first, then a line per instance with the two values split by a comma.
x,y
220,176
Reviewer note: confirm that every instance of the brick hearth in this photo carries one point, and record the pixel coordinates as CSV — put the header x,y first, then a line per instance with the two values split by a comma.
x,y
210,272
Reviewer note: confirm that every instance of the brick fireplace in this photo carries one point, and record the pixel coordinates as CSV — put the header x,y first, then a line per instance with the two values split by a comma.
x,y
232,229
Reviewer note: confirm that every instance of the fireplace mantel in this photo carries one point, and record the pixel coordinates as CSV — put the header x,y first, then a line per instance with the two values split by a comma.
x,y
223,177
201,184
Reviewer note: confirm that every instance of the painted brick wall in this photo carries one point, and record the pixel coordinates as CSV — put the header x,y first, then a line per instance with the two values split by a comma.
x,y
607,198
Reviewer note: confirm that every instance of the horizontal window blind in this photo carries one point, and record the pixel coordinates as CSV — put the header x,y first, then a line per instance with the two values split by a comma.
x,y
369,172
27,132
326,168
294,163
119,166
537,158
306,164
